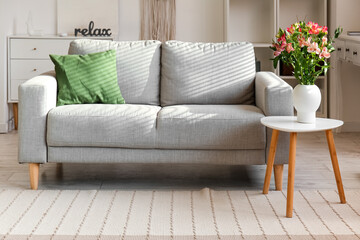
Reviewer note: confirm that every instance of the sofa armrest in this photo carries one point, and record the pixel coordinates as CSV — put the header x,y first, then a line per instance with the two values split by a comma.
x,y
36,97
273,95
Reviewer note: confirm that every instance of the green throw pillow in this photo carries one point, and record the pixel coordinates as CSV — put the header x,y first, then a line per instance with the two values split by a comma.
x,y
90,78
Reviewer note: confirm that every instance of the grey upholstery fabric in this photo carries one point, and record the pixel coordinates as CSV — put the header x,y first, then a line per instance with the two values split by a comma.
x,y
36,97
121,155
103,125
208,133
207,73
138,66
274,97
210,127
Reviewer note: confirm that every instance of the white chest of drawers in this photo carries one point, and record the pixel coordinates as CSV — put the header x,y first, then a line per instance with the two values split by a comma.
x,y
28,56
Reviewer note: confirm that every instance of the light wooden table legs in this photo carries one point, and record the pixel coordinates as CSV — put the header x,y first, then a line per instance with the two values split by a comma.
x,y
270,161
291,175
278,176
34,175
15,110
335,164
278,169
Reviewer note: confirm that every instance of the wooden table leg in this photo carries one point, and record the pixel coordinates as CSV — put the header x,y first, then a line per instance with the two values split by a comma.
x,y
335,164
278,176
270,161
291,175
15,111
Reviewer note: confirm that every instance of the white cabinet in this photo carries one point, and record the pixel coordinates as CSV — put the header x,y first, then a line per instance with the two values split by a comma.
x,y
340,49
257,21
29,56
352,52
344,84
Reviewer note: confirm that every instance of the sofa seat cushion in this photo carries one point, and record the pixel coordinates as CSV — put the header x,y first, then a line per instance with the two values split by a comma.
x,y
210,127
103,125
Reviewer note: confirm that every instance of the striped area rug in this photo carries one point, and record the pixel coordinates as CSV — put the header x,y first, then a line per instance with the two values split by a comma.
x,y
205,214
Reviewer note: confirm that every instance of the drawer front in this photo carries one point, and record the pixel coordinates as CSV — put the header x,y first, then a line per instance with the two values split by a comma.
x,y
355,53
340,49
348,51
26,69
38,48
14,95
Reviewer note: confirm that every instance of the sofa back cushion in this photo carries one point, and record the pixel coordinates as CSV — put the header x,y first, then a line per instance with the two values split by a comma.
x,y
207,73
138,66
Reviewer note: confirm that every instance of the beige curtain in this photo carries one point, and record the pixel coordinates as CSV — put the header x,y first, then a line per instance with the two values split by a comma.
x,y
158,20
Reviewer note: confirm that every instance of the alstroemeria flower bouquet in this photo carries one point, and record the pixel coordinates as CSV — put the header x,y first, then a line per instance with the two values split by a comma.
x,y
306,47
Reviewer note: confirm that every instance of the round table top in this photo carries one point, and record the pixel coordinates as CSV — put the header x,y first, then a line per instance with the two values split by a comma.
x,y
289,124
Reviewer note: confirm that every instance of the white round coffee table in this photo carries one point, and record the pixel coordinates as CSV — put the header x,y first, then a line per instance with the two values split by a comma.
x,y
289,124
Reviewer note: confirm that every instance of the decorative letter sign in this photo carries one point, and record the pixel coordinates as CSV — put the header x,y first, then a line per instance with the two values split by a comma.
x,y
105,32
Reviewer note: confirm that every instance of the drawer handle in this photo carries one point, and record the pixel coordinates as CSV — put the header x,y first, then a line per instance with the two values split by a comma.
x,y
355,53
34,48
348,49
339,49
35,70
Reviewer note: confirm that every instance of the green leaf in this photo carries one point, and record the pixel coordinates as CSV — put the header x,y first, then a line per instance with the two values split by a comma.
x,y
275,61
338,31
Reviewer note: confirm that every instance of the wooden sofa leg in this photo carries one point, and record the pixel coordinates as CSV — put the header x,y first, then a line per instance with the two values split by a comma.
x,y
34,175
278,175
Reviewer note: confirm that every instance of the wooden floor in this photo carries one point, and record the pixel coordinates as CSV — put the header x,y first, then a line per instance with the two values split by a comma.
x,y
313,170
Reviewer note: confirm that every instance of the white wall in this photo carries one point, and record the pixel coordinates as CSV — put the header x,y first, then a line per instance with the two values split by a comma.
x,y
196,20
129,20
200,20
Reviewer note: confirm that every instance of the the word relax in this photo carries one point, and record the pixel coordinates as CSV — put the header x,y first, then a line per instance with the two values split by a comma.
x,y
93,32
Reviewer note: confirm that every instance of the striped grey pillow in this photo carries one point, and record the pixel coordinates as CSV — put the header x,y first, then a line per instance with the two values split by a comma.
x,y
207,73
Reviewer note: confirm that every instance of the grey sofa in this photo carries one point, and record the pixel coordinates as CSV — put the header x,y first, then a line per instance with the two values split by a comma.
x,y
185,103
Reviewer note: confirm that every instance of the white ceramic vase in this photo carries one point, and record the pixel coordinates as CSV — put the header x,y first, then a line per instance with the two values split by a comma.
x,y
306,100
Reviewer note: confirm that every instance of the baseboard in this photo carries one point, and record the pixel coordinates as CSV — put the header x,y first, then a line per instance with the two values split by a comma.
x,y
4,127
351,127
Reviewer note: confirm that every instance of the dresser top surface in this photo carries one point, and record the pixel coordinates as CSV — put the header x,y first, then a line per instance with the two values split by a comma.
x,y
53,37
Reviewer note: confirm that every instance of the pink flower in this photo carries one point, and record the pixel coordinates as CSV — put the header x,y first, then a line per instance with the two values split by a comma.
x,y
308,42
283,45
291,29
324,29
314,30
324,41
314,48
302,42
324,53
282,38
289,48
300,30
277,53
